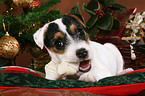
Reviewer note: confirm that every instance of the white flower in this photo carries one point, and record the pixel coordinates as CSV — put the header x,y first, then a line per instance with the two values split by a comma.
x,y
128,25
143,14
142,25
138,18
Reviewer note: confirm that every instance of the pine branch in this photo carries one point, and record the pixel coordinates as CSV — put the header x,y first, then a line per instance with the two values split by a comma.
x,y
22,27
38,14
1,1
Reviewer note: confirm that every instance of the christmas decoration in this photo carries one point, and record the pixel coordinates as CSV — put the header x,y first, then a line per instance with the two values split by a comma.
x,y
23,3
136,24
35,4
101,18
100,13
9,46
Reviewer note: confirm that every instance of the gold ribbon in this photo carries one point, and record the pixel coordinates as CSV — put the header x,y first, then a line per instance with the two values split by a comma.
x,y
5,25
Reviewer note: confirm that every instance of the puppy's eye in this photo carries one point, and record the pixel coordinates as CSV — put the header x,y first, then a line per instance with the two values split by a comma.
x,y
81,32
59,44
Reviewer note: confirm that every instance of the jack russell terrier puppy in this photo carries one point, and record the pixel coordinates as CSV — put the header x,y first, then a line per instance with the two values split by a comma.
x,y
72,52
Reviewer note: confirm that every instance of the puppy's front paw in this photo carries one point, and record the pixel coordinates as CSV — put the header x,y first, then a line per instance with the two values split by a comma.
x,y
89,77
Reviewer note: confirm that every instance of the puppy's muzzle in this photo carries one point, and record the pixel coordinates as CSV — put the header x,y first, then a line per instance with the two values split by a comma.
x,y
82,53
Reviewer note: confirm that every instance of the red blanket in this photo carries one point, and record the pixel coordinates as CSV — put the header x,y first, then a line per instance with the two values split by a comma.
x,y
121,89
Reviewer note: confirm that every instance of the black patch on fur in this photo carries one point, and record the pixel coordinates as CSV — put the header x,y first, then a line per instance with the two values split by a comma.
x,y
68,21
59,44
50,41
49,35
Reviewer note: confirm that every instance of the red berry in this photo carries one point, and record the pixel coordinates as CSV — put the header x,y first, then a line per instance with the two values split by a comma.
x,y
103,8
101,14
98,11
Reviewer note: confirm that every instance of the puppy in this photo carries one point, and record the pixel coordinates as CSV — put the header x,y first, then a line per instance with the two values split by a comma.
x,y
72,52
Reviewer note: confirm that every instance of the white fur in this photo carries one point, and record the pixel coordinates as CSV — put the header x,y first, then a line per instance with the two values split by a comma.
x,y
106,60
39,36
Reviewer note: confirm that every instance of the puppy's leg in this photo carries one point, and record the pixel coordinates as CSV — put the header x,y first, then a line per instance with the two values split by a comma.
x,y
51,71
119,58
125,71
120,61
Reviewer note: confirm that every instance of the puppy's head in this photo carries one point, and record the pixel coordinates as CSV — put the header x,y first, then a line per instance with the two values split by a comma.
x,y
66,40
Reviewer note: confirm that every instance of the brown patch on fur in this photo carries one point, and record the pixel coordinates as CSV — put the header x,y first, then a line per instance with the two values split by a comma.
x,y
53,49
87,38
71,15
58,34
88,41
72,28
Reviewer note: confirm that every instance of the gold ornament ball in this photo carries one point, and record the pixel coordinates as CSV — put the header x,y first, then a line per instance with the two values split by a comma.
x,y
9,46
23,3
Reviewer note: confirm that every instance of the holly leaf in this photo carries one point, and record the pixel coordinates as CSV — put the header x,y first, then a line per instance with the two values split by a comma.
x,y
93,19
105,22
107,3
92,32
87,10
116,24
93,4
118,7
75,9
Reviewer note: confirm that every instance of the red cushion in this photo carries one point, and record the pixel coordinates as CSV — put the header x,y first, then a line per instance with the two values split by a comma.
x,y
127,89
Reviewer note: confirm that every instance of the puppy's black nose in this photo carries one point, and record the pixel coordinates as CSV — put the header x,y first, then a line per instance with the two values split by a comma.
x,y
82,53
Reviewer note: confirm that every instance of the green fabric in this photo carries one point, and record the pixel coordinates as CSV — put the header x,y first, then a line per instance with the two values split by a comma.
x,y
28,80
18,69
1,69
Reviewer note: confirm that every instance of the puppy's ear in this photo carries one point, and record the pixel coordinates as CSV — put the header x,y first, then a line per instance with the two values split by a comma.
x,y
39,36
78,17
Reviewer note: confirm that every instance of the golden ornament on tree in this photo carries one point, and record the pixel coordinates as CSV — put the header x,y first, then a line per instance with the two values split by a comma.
x,y
9,46
23,3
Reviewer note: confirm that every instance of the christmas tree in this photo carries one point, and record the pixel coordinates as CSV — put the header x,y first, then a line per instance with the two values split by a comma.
x,y
21,27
